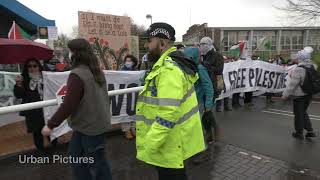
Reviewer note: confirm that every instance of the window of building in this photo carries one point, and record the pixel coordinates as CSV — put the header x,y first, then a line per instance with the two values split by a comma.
x,y
254,42
273,43
314,39
297,42
294,42
243,35
285,42
229,39
225,42
232,39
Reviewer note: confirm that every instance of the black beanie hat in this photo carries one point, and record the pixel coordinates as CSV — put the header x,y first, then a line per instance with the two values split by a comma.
x,y
161,30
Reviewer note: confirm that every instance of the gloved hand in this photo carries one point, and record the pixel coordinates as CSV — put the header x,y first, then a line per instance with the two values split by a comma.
x,y
207,119
220,83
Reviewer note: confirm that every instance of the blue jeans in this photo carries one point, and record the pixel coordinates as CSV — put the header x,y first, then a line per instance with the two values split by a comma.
x,y
92,147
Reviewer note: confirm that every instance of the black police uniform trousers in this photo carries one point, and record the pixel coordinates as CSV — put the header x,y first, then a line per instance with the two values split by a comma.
x,y
171,174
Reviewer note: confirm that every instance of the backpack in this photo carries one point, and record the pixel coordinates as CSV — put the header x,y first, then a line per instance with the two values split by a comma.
x,y
311,83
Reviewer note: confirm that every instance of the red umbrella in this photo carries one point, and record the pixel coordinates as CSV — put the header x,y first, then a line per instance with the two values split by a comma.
x,y
14,51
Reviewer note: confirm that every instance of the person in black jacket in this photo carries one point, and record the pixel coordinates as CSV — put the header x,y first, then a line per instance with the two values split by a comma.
x,y
214,63
29,88
211,56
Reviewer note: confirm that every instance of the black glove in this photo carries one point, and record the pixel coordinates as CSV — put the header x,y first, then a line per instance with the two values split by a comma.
x,y
208,120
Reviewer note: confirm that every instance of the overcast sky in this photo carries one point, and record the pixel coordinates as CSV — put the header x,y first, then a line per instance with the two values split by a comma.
x,y
216,13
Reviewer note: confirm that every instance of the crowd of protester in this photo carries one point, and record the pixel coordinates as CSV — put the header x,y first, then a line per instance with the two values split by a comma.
x,y
181,89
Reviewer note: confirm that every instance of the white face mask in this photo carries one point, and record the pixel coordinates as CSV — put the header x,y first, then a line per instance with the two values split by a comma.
x,y
204,49
35,75
128,64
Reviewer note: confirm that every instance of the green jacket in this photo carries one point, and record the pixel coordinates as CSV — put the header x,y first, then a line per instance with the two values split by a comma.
x,y
168,121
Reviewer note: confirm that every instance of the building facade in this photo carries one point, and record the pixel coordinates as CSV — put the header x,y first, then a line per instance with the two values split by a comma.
x,y
196,32
262,41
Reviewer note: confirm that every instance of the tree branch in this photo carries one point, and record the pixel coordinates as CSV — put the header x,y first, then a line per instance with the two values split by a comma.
x,y
302,11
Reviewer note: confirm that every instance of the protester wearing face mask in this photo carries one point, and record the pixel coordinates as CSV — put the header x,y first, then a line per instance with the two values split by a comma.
x,y
214,62
29,88
60,62
130,63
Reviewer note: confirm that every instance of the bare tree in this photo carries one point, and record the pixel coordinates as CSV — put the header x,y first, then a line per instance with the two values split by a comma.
x,y
136,29
62,41
75,32
302,11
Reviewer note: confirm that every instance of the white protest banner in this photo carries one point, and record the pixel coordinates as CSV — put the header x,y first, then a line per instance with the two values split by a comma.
x,y
122,106
7,82
52,81
240,76
249,75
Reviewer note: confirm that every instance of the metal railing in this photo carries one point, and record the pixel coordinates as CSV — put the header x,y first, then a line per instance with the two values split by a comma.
x,y
53,102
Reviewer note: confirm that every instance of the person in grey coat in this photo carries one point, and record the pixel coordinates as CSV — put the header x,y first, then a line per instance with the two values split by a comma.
x,y
301,100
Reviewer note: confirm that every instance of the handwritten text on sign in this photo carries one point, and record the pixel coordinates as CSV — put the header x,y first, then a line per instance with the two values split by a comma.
x,y
103,25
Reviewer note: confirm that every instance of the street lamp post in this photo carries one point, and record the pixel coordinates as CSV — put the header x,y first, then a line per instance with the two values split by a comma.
x,y
149,17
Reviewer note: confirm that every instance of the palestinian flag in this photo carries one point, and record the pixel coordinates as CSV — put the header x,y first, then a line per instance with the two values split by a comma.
x,y
16,32
237,49
264,44
268,45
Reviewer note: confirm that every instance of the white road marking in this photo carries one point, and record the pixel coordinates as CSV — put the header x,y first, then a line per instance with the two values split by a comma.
x,y
243,153
279,98
257,157
291,115
310,115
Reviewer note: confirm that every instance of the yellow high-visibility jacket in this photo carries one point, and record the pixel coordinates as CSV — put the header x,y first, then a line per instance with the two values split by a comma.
x,y
167,117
